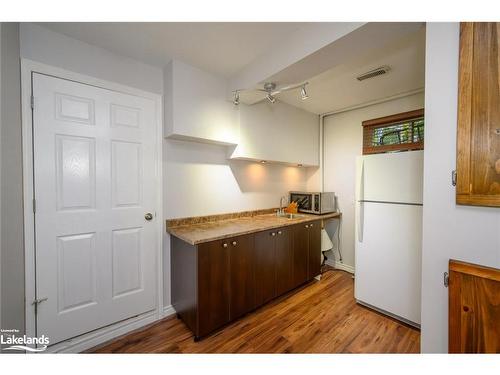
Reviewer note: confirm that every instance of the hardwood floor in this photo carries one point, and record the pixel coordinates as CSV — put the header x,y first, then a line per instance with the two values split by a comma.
x,y
320,317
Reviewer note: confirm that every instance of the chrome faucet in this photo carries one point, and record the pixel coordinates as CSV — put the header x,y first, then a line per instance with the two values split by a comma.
x,y
282,210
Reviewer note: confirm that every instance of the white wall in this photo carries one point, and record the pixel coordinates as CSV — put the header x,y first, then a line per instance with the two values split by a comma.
x,y
43,45
343,142
12,249
466,233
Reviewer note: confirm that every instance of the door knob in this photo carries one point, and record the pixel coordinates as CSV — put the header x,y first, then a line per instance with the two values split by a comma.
x,y
273,234
224,245
234,243
148,216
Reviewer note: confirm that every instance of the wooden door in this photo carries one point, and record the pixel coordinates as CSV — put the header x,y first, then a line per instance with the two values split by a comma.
x,y
265,270
213,286
474,308
300,253
241,275
284,261
314,256
94,181
478,135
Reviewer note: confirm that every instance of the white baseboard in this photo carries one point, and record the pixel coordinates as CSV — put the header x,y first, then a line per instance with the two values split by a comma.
x,y
340,266
99,336
168,310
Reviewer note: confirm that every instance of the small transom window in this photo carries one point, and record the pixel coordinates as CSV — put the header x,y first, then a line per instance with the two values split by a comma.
x,y
400,132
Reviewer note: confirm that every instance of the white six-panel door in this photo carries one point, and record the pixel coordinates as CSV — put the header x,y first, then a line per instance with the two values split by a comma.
x,y
94,181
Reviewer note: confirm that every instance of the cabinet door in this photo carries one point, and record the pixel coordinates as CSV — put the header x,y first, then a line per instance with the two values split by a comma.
x,y
284,261
478,130
474,312
300,253
213,286
241,275
265,270
314,262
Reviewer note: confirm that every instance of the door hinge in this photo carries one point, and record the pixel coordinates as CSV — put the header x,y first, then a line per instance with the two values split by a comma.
x,y
32,102
446,279
39,300
34,205
454,178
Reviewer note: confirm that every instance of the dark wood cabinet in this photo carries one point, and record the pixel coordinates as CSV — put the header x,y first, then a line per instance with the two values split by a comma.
x,y
300,254
216,282
284,261
241,275
478,127
273,264
265,267
307,252
314,250
213,286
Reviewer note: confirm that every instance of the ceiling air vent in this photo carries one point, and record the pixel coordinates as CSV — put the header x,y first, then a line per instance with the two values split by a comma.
x,y
373,73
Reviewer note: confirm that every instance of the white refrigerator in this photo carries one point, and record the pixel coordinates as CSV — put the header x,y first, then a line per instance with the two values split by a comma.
x,y
388,241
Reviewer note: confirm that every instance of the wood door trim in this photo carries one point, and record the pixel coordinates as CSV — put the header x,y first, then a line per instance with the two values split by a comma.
x,y
475,270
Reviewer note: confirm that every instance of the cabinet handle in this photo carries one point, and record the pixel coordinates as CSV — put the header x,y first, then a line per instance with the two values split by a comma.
x,y
273,234
234,243
310,225
279,232
307,226
224,245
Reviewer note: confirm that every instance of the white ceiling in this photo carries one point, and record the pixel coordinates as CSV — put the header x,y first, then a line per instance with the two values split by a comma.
x,y
226,48
338,88
220,48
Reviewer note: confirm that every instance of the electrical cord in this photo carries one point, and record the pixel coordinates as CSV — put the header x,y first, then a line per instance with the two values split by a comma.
x,y
338,238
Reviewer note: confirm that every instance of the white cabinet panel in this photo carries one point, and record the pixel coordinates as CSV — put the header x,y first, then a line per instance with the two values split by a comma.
x,y
197,107
278,132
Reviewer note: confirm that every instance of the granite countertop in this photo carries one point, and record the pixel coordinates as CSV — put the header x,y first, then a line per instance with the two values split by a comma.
x,y
197,233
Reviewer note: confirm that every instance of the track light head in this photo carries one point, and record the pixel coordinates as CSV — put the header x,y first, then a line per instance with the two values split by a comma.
x,y
303,93
271,98
236,99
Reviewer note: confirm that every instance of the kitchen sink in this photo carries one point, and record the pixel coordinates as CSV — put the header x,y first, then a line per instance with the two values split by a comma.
x,y
291,216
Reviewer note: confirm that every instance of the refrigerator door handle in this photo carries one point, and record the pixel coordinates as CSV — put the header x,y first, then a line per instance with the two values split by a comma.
x,y
360,197
360,215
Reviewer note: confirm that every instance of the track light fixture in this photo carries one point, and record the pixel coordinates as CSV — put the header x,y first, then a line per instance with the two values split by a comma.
x,y
271,89
303,93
